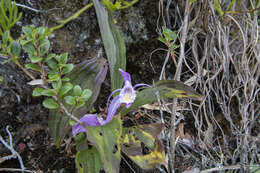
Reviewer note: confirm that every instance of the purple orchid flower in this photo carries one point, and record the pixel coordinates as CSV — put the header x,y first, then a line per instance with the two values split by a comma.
x,y
126,96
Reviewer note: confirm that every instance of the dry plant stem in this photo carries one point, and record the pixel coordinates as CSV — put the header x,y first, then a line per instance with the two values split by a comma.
x,y
226,168
15,170
177,77
11,149
25,71
64,109
29,8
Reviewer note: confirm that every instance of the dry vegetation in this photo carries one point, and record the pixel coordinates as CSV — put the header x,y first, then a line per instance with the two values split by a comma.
x,y
219,56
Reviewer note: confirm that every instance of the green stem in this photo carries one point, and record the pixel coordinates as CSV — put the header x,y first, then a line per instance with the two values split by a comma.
x,y
129,4
74,16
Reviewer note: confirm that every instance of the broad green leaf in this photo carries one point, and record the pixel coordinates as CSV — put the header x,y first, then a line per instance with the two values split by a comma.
x,y
44,46
169,34
86,94
48,92
35,59
50,103
15,48
161,39
29,48
165,89
113,43
65,88
49,57
89,75
149,161
5,37
63,58
89,161
107,141
53,77
70,100
37,91
65,79
41,31
27,30
52,64
33,67
56,84
67,68
77,90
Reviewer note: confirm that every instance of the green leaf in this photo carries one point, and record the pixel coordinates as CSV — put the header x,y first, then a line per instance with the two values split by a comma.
x,y
5,37
217,7
53,77
113,43
59,126
77,91
29,48
86,94
67,68
70,100
15,48
107,141
56,84
49,57
52,64
169,34
33,67
149,161
50,104
65,79
80,103
41,30
165,89
65,89
88,160
35,59
37,92
63,58
27,30
44,46
161,39
49,92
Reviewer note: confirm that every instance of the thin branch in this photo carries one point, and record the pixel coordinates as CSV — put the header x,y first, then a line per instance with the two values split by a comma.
x,y
177,77
11,149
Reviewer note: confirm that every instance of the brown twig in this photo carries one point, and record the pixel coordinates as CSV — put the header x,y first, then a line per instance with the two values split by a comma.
x,y
177,77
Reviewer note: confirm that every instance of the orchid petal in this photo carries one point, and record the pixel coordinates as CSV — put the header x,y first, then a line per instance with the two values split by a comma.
x,y
142,84
112,95
126,76
88,119
112,109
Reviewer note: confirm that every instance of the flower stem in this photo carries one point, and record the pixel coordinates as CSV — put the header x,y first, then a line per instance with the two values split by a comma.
x,y
74,16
